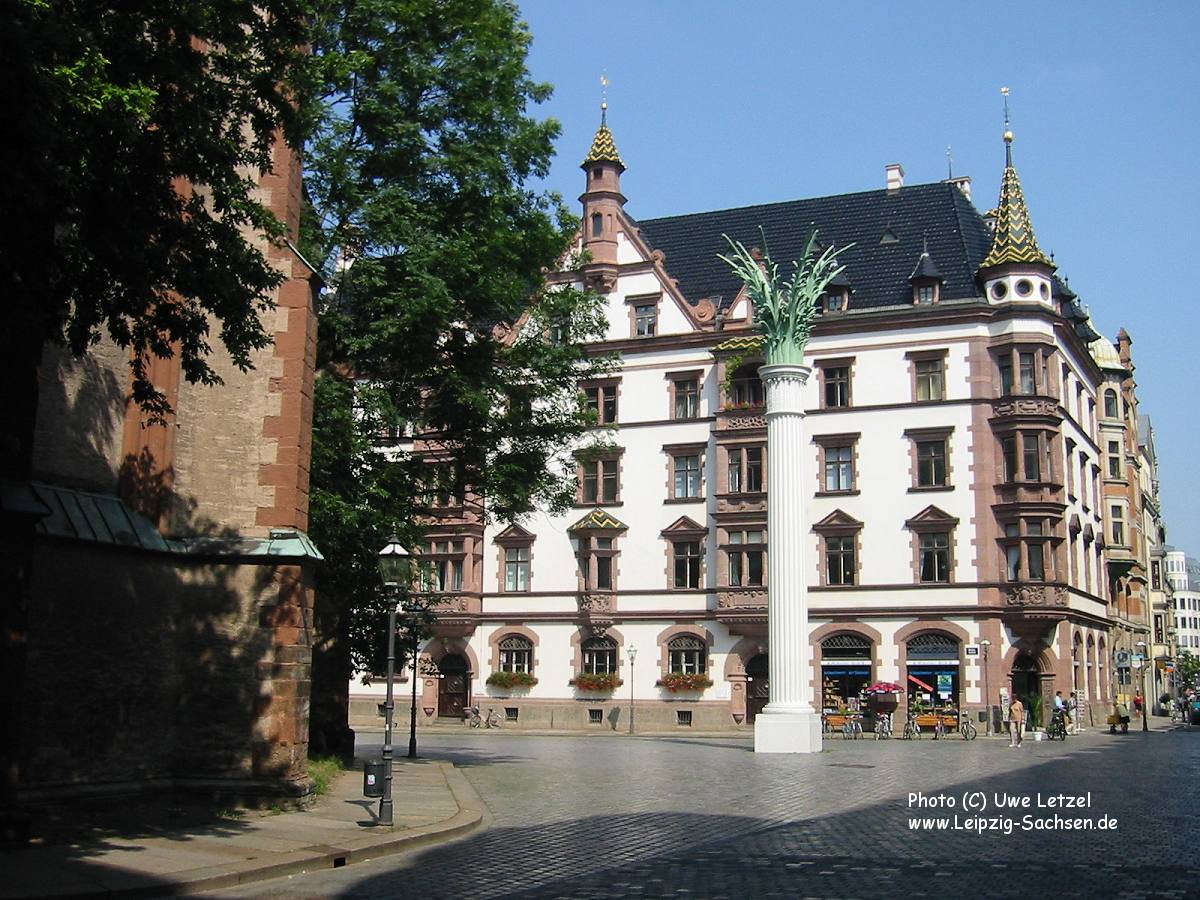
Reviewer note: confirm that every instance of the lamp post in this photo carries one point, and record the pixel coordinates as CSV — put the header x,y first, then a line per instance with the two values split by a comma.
x,y
987,694
632,651
1145,700
393,571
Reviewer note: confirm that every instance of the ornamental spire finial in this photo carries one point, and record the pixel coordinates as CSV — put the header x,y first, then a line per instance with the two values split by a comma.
x,y
604,148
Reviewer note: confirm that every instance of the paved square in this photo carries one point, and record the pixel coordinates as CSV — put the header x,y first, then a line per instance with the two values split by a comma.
x,y
612,816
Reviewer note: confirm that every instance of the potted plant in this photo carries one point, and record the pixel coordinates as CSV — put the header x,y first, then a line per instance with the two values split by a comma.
x,y
606,681
511,679
679,681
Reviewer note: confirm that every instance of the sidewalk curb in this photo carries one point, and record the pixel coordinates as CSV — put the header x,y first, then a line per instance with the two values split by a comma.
x,y
470,815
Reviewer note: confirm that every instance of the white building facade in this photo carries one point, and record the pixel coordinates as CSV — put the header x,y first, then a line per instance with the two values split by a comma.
x,y
955,472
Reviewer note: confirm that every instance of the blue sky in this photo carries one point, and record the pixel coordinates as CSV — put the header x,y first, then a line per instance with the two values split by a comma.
x,y
722,104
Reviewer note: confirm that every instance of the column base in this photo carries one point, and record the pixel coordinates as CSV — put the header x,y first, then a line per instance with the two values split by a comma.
x,y
787,732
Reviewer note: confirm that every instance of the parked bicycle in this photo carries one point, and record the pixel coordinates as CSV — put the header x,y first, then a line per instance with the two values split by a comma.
x,y
966,727
883,726
912,731
852,728
491,720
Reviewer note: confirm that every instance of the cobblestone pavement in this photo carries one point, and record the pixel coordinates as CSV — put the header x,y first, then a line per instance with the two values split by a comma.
x,y
610,816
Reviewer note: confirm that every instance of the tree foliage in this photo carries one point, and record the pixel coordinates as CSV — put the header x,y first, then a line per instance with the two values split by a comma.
x,y
437,319
139,132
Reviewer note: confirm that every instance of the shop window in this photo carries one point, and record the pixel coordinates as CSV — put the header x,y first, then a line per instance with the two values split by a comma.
x,y
933,669
845,670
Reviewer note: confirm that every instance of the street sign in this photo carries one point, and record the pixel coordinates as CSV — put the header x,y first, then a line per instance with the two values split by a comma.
x,y
973,650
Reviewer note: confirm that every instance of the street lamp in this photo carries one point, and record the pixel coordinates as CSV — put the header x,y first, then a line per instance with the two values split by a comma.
x,y
632,651
393,571
987,694
1145,700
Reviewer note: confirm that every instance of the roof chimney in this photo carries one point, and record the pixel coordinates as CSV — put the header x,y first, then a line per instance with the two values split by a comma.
x,y
895,177
963,183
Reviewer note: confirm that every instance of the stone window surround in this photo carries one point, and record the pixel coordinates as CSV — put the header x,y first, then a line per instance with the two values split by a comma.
x,y
673,452
593,457
467,557
1011,345
503,542
583,633
1069,455
724,547
508,630
613,382
636,300
674,631
682,532
673,380
1045,453
1050,540
1126,523
966,677
723,466
823,443
842,362
1116,397
825,529
915,356
920,435
584,585
917,527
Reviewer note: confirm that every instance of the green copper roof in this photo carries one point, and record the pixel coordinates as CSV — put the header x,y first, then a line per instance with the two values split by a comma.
x,y
1013,240
604,148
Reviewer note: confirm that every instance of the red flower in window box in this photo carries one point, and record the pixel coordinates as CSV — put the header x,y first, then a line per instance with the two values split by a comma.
x,y
678,681
597,682
511,679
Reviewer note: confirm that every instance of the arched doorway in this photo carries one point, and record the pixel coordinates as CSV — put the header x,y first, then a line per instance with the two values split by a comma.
x,y
1026,681
757,689
454,685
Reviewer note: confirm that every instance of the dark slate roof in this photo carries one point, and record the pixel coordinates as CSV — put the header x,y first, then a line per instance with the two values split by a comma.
x,y
925,268
878,273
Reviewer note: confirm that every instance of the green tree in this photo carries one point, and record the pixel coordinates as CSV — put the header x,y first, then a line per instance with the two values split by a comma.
x,y
1188,668
136,134
437,319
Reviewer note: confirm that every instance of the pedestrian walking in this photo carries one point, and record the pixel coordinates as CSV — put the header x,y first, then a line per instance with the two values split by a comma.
x,y
1016,721
1072,718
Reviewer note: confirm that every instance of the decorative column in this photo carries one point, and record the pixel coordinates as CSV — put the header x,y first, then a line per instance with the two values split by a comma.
x,y
784,311
788,723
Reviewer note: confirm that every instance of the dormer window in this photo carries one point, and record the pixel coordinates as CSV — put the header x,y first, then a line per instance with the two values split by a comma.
x,y
833,301
925,294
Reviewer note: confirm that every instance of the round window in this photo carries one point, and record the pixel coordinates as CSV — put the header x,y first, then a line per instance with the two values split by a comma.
x,y
1024,287
1045,291
999,290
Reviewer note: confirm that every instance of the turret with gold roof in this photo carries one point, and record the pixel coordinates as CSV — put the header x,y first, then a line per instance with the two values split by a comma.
x,y
602,204
1015,267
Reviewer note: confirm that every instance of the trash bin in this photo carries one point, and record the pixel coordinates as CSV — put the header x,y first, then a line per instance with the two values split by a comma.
x,y
373,777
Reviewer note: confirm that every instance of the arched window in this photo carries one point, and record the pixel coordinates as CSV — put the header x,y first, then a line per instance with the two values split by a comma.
x,y
1110,404
933,645
845,669
933,669
687,655
599,656
516,654
846,646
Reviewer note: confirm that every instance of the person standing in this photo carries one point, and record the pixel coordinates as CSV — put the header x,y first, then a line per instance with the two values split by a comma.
x,y
1072,718
1016,721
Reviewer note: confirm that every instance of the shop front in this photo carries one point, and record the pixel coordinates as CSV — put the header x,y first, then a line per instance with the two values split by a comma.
x,y
845,670
933,670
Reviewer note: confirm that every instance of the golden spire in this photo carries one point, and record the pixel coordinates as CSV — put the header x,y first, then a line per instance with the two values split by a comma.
x,y
1013,240
604,148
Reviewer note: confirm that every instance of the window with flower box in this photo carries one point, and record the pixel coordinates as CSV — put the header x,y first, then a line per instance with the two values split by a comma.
x,y
516,654
687,655
599,656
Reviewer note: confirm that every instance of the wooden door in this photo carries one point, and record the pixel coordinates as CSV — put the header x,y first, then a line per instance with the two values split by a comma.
x,y
453,686
758,690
